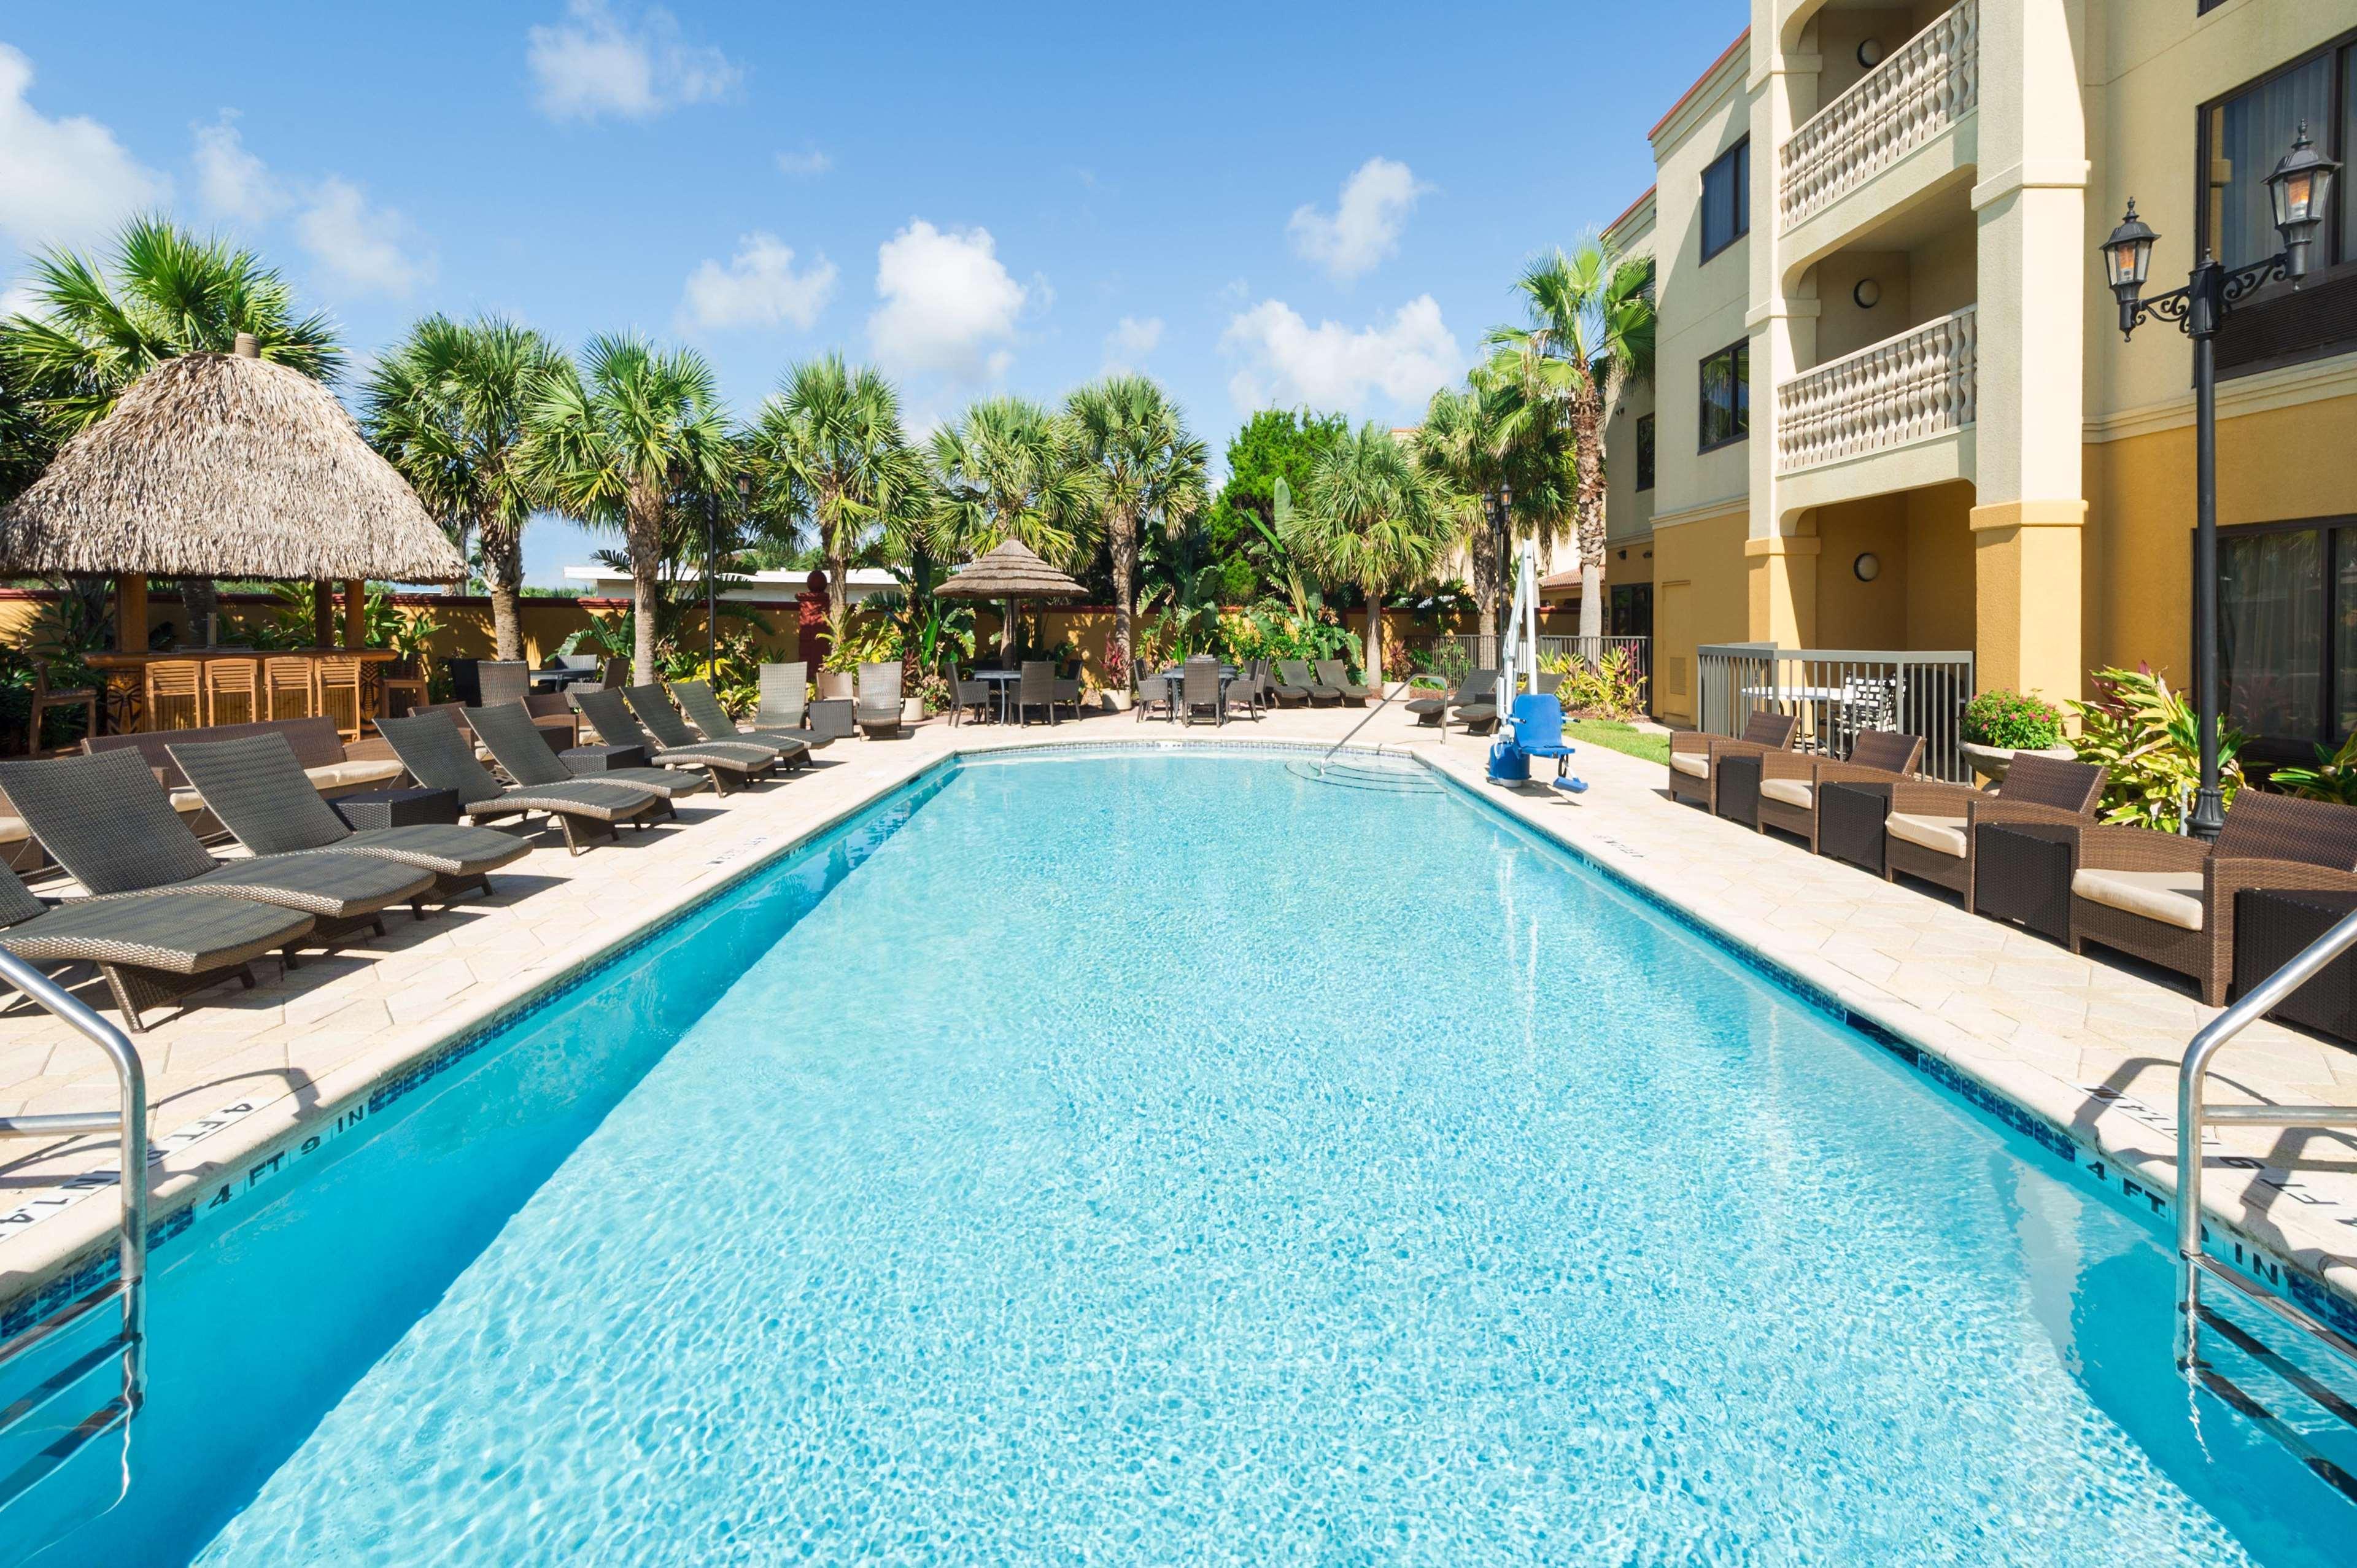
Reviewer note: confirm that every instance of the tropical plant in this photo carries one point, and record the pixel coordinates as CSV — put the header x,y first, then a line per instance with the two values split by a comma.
x,y
1143,469
833,467
2334,777
1267,458
619,442
2149,737
1376,517
1604,688
447,407
1007,470
1591,328
2011,721
931,634
96,325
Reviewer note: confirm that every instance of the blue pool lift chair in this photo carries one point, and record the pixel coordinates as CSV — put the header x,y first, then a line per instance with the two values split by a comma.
x,y
1537,725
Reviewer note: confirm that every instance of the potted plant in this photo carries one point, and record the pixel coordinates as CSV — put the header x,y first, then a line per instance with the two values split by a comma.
x,y
836,680
2000,726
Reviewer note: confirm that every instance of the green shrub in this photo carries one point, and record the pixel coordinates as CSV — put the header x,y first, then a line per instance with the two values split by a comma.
x,y
2149,737
1606,688
2012,721
2334,777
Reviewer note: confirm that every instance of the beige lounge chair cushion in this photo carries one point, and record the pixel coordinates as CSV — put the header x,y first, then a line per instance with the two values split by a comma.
x,y
188,802
2172,897
1791,791
1945,835
354,773
1695,763
13,830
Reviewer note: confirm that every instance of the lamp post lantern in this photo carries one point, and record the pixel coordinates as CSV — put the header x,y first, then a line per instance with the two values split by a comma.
x,y
2297,192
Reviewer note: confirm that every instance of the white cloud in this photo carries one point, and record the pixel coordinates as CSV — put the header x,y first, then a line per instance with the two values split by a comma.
x,y
1366,224
1329,366
63,181
1130,341
806,164
363,248
947,299
18,301
232,182
758,288
597,63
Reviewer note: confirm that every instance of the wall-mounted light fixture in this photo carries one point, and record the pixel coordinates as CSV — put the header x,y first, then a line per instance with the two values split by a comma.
x,y
1868,566
1869,52
1868,294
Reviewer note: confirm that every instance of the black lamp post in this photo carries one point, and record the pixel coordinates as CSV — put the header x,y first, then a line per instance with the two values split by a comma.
x,y
2297,189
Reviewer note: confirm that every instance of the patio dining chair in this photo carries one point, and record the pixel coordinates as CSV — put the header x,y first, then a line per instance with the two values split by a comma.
x,y
501,681
1153,692
1240,695
48,699
1036,688
976,695
1198,691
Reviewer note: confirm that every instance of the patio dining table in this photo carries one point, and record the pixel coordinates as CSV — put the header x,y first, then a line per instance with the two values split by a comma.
x,y
1004,683
1176,676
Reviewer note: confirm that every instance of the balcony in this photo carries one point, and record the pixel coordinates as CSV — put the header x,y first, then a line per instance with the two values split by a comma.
x,y
1904,389
1929,84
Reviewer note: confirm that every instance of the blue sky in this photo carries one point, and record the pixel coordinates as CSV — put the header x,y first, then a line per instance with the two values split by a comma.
x,y
1257,204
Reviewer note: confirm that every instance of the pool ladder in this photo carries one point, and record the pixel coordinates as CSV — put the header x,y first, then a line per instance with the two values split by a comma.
x,y
127,1290
2194,1262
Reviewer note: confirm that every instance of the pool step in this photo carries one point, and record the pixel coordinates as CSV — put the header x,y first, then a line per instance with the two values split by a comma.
x,y
2318,1394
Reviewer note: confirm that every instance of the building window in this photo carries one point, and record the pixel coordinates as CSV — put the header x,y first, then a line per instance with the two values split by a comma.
x,y
1645,451
1726,395
1727,199
2288,634
2240,139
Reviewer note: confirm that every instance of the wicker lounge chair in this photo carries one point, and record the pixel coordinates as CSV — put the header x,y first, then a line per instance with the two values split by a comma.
x,y
1283,693
256,788
1789,782
108,822
2170,900
652,705
879,699
704,712
1335,674
728,766
1930,830
785,693
586,809
1694,756
1297,676
521,749
149,948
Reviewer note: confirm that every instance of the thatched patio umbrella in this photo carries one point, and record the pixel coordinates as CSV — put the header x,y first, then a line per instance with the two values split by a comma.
x,y
1014,574
225,465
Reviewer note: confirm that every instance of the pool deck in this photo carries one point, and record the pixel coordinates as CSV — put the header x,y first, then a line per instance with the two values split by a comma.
x,y
2085,1046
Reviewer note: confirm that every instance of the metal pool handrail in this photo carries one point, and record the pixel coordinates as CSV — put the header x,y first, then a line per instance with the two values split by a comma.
x,y
129,1287
2194,1115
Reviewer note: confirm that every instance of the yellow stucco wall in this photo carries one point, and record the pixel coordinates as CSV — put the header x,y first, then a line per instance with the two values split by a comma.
x,y
1700,595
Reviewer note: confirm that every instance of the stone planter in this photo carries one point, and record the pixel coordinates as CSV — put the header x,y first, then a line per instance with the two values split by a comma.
x,y
1117,701
1991,761
833,685
912,710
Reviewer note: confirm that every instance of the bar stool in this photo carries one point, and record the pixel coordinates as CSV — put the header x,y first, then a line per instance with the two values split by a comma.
x,y
46,697
176,694
338,690
239,680
286,688
397,677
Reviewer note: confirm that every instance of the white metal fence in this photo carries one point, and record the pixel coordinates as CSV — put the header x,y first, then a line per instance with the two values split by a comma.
x,y
1837,693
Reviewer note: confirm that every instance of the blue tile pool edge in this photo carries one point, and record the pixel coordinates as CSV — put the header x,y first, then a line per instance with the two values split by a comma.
x,y
356,1113
2155,1203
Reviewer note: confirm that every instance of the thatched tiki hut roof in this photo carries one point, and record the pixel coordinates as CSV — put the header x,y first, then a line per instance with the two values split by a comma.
x,y
221,466
1010,572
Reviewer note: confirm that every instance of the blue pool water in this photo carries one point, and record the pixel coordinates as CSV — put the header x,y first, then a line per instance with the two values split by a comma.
x,y
1169,1159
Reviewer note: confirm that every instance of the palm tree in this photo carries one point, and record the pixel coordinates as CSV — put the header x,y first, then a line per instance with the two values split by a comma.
x,y
1006,469
446,405
1372,515
833,461
98,326
1512,458
1142,467
1591,328
619,445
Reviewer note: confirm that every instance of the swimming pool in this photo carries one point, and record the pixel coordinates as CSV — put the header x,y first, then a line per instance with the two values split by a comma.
x,y
1165,1157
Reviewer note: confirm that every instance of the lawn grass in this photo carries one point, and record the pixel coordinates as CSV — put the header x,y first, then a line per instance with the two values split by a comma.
x,y
1614,736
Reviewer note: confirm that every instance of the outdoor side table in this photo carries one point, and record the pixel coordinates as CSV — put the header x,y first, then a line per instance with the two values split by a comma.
x,y
1739,787
1850,818
2021,873
397,808
603,758
2272,925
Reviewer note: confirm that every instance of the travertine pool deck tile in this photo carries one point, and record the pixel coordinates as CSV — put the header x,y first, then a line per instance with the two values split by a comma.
x,y
2044,1028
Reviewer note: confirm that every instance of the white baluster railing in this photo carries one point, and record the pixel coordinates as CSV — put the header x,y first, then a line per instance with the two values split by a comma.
x,y
1933,82
1902,389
